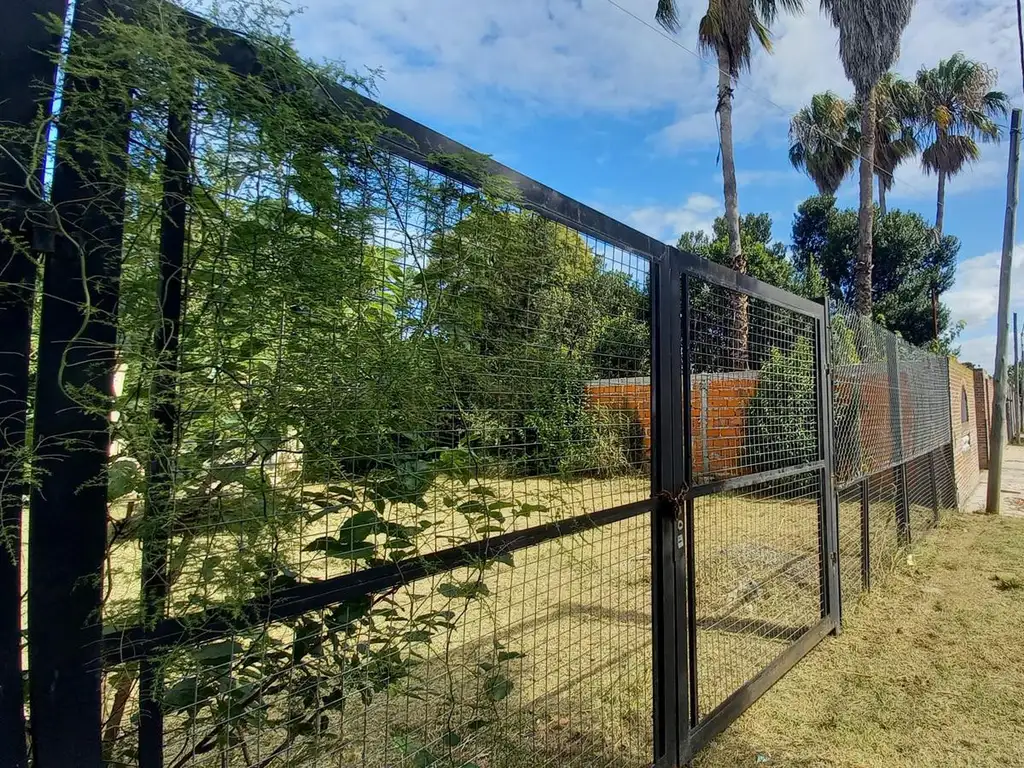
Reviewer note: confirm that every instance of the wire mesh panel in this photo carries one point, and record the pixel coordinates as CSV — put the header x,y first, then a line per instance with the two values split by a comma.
x,y
544,657
862,396
757,584
753,405
851,545
756,544
883,539
379,481
892,436
379,486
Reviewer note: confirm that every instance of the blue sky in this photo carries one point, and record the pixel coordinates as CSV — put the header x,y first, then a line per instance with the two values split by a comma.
x,y
585,98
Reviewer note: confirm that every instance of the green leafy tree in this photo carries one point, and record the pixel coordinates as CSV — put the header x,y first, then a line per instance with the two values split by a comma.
x,y
908,261
525,314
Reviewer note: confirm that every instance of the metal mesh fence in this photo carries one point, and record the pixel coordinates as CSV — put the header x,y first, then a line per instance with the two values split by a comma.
x,y
548,662
753,403
757,584
892,446
385,484
358,470
398,373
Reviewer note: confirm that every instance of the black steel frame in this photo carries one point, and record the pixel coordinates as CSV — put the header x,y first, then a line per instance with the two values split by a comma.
x,y
28,72
67,648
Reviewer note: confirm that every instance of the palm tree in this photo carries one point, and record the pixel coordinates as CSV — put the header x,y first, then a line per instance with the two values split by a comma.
x,y
823,139
729,30
869,44
958,107
825,135
897,108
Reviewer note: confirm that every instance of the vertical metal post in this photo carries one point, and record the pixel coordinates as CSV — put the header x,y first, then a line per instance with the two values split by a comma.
x,y
896,428
68,509
160,478
934,485
865,533
671,673
26,84
828,504
688,639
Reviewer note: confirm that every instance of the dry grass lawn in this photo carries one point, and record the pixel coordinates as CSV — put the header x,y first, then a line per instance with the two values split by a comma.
x,y
929,670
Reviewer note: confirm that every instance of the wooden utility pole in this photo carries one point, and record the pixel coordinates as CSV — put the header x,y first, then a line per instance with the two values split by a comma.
x,y
995,472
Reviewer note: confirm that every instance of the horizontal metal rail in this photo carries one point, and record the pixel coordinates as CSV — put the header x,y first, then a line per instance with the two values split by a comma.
x,y
120,646
848,484
745,481
740,701
417,143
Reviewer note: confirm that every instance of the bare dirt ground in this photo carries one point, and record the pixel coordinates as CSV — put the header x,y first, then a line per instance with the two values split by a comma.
x,y
928,670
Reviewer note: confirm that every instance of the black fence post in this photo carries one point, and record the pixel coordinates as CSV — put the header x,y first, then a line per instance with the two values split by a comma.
x,y
68,510
865,533
896,427
160,479
828,503
688,643
671,686
934,483
26,49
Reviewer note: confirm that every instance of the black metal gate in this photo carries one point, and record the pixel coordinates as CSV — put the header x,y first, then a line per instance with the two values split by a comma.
x,y
748,518
364,499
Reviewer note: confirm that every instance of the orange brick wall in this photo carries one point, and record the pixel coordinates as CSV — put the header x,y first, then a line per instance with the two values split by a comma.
x,y
625,395
966,467
718,411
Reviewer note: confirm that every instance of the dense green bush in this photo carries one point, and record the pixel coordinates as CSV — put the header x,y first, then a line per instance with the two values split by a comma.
x,y
782,423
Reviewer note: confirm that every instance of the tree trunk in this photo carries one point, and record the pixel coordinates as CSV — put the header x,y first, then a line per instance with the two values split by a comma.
x,y
881,197
737,302
862,266
940,204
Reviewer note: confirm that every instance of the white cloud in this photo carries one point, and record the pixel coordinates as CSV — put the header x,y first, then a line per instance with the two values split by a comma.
x,y
980,350
974,297
698,212
459,58
912,183
761,177
466,61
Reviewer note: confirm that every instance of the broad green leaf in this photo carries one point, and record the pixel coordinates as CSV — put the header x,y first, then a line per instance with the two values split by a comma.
x,y
338,550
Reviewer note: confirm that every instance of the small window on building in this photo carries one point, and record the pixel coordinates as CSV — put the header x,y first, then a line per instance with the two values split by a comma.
x,y
965,414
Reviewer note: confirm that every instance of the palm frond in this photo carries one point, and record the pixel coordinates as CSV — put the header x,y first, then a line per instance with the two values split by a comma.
x,y
958,110
869,37
667,15
950,154
823,140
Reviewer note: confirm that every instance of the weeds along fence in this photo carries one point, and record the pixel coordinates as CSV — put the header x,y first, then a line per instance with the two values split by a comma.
x,y
330,442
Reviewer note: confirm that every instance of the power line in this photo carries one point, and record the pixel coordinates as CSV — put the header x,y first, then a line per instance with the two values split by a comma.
x,y
766,99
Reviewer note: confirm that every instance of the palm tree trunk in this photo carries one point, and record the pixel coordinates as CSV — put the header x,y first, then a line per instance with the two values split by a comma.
x,y
737,301
940,204
881,198
865,219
